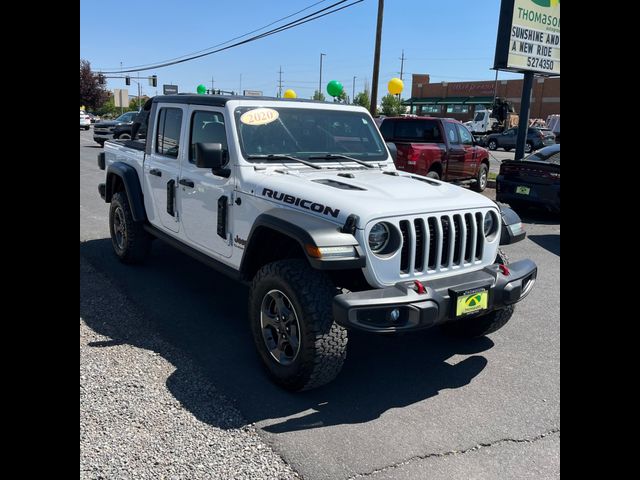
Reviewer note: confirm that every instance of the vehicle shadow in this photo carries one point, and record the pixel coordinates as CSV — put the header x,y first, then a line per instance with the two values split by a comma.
x,y
92,146
202,314
548,242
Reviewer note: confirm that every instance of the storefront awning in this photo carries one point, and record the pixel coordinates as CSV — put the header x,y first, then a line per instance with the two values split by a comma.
x,y
479,101
448,101
421,101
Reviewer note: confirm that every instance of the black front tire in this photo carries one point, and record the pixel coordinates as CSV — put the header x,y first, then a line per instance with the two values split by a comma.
x,y
322,345
479,326
131,243
433,174
528,147
481,179
492,145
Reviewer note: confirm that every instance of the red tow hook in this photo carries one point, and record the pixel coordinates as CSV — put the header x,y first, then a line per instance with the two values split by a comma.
x,y
419,287
504,270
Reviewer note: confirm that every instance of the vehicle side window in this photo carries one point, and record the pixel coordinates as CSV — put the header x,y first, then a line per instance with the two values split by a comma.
x,y
386,129
510,132
465,136
206,127
452,135
168,132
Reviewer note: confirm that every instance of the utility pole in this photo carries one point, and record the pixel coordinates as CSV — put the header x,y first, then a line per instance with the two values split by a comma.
x,y
320,82
402,64
376,60
353,92
212,84
240,89
280,82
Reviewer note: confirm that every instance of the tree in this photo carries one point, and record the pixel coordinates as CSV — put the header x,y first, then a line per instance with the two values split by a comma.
x,y
318,95
133,104
362,99
392,106
92,94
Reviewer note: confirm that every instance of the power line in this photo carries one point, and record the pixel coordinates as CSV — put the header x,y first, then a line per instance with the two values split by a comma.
x,y
228,41
295,23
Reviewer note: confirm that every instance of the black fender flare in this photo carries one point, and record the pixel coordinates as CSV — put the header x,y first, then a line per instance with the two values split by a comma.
x,y
132,187
512,230
307,230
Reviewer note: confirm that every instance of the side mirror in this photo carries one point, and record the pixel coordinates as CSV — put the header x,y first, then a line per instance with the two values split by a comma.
x,y
213,156
393,150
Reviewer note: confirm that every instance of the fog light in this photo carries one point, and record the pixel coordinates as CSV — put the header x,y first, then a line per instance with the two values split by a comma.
x,y
394,315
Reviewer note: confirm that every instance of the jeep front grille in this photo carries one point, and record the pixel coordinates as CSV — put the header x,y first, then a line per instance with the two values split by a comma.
x,y
441,242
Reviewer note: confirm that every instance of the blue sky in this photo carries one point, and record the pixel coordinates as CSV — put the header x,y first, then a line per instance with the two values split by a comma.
x,y
452,40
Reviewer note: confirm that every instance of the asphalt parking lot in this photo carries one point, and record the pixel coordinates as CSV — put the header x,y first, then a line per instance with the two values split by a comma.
x,y
171,386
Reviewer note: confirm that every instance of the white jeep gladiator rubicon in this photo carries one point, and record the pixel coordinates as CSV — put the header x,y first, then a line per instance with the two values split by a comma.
x,y
302,200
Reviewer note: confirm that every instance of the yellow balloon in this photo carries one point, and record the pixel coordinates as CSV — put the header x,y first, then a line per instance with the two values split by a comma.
x,y
290,94
395,86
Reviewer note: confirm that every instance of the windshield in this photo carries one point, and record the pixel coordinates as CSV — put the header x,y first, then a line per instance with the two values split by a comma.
x,y
306,132
126,117
479,116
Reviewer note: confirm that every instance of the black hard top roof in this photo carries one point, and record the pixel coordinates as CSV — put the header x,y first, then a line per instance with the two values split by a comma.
x,y
220,100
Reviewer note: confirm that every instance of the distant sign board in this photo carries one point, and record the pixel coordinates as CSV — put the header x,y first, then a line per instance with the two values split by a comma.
x,y
529,36
169,89
121,97
252,93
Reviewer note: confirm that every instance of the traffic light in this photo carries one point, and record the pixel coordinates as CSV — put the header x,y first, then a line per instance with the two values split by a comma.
x,y
127,80
101,79
153,80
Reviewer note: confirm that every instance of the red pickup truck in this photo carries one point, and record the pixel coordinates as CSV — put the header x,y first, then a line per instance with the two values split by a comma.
x,y
440,148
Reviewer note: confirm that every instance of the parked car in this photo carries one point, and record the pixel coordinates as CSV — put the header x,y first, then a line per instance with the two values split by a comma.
x,y
536,139
440,148
85,121
103,131
93,117
534,180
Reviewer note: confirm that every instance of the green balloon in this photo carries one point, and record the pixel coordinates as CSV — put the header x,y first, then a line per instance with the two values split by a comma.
x,y
334,88
201,89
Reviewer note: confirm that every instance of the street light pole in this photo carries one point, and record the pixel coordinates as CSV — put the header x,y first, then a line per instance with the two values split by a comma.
x,y
320,82
353,92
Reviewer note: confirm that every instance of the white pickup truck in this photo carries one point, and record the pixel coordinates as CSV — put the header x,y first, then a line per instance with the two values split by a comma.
x,y
302,200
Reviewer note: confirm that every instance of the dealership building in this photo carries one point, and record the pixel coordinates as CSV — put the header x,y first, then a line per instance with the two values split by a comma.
x,y
460,100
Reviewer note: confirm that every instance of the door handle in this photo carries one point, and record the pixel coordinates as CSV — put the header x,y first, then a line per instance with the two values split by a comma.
x,y
156,172
186,182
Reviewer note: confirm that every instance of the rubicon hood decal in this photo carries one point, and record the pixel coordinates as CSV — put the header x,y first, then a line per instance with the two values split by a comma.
x,y
300,202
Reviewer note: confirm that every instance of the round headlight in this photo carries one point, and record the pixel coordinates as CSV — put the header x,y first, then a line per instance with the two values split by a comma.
x,y
489,224
378,237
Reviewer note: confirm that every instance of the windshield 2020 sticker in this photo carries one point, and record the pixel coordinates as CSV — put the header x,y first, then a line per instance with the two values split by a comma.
x,y
259,116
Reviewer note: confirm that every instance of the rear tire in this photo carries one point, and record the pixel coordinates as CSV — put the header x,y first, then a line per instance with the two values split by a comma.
x,y
473,327
433,174
131,243
492,145
291,319
123,136
528,147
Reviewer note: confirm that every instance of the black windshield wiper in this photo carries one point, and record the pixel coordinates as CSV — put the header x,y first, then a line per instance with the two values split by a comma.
x,y
330,156
279,156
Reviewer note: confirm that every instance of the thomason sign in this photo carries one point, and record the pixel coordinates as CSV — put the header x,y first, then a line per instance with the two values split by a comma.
x,y
529,37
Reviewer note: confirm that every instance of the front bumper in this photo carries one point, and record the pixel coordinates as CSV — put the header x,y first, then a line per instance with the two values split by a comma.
x,y
371,310
102,136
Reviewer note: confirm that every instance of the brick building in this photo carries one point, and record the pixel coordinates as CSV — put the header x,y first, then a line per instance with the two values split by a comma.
x,y
460,100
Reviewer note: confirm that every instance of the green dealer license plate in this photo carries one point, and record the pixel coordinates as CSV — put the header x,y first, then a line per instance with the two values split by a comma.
x,y
472,302
523,190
